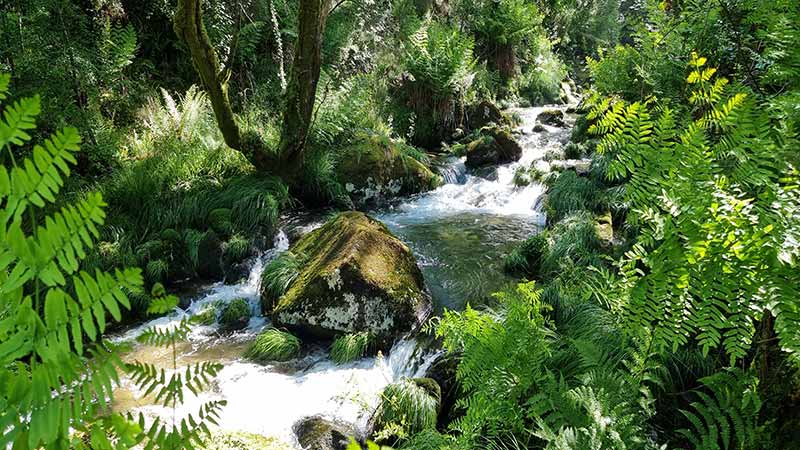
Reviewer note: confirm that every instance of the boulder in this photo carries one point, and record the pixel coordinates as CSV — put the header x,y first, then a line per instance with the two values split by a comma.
x,y
552,117
209,256
483,114
379,168
494,146
539,128
443,372
318,433
356,276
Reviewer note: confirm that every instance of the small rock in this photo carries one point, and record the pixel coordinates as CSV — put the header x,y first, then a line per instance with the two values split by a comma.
x,y
318,433
581,166
485,113
552,117
539,128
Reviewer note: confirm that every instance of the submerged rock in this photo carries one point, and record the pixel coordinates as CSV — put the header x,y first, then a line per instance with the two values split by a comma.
x,y
379,168
356,276
318,433
552,117
494,146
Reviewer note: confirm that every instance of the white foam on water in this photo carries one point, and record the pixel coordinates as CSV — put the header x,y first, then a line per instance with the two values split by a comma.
x,y
495,194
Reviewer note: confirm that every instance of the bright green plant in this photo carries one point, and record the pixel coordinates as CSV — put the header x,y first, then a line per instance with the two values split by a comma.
x,y
350,347
526,260
273,345
279,274
406,408
711,197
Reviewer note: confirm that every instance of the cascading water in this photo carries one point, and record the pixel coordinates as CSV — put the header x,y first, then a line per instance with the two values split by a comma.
x,y
459,233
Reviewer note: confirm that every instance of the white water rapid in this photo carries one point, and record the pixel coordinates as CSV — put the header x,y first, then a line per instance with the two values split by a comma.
x,y
469,220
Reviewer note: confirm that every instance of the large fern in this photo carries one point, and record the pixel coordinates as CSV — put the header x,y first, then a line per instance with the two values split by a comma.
x,y
710,196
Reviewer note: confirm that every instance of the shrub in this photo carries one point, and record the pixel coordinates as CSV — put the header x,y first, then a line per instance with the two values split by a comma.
x,y
350,347
273,345
235,314
540,82
407,406
279,274
526,260
615,73
574,151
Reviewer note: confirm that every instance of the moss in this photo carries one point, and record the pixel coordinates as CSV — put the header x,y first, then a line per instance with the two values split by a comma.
x,y
353,261
378,167
235,314
220,221
206,317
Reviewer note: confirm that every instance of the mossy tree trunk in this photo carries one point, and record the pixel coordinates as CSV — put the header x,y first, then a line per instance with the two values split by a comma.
x,y
188,24
302,88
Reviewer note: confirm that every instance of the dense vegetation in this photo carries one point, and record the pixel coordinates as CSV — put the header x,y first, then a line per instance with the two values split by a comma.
x,y
147,145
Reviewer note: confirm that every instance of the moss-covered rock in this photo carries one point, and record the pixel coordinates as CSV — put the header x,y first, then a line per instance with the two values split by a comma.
x,y
235,315
552,117
484,113
209,256
494,146
356,277
379,168
318,433
604,227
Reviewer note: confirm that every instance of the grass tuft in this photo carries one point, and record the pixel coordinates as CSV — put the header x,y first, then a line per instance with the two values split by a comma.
x,y
235,314
273,345
409,405
279,274
526,260
350,347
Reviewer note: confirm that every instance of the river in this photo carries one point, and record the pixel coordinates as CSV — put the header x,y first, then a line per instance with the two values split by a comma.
x,y
459,234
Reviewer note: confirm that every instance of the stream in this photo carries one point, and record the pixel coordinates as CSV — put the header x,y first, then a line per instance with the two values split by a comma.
x,y
459,233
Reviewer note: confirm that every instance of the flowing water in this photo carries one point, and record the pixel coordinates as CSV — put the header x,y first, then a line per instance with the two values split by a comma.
x,y
459,234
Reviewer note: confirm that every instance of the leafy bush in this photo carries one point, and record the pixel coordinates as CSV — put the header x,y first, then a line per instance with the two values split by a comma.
x,y
526,260
540,82
279,274
350,347
235,314
616,73
273,345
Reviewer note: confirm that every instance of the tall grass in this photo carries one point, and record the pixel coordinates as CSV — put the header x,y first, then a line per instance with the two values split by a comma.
x,y
570,193
350,347
279,274
273,345
409,405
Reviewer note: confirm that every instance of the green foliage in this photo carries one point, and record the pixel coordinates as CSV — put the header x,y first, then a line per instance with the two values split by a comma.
x,y
279,274
439,59
526,260
273,345
406,408
726,413
710,242
569,194
350,347
208,316
57,371
235,314
616,72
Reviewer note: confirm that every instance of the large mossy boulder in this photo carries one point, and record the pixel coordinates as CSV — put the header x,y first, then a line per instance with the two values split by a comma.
x,y
494,145
319,433
379,168
356,277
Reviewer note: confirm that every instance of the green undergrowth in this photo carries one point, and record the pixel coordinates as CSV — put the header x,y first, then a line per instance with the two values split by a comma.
x,y
279,274
235,315
273,345
407,407
350,347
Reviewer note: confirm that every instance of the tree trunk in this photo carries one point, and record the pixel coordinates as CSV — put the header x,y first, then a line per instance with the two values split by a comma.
x,y
188,24
302,88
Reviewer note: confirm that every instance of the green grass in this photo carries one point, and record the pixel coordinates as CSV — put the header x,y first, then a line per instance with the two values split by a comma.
x,y
570,193
409,405
575,245
526,260
235,314
273,345
350,347
208,316
279,274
